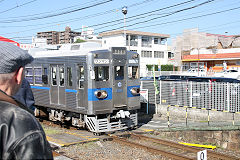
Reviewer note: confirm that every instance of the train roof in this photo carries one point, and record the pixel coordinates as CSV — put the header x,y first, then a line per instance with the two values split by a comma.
x,y
75,49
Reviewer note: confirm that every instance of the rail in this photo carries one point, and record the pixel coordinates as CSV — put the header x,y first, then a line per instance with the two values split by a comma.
x,y
171,150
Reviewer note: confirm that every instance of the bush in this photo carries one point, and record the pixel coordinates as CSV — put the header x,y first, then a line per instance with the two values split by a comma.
x,y
79,41
167,67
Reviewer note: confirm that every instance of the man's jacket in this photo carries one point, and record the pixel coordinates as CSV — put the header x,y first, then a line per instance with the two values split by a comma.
x,y
21,135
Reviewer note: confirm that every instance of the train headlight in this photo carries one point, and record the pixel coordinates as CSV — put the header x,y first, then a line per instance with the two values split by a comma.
x,y
135,91
100,94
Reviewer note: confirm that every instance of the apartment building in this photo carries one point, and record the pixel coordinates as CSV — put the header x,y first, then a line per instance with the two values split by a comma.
x,y
152,47
54,37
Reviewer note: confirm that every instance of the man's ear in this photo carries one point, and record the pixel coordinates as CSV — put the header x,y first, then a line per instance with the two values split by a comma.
x,y
19,75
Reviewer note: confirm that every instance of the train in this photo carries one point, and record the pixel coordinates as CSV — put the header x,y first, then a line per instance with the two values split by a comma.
x,y
90,87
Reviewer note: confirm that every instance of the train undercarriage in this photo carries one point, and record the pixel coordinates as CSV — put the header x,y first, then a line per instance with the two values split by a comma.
x,y
118,120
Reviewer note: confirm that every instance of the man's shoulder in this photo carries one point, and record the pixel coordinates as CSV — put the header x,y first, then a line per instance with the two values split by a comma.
x,y
19,118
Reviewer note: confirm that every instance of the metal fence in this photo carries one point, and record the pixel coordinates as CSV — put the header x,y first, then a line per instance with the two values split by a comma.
x,y
186,73
204,95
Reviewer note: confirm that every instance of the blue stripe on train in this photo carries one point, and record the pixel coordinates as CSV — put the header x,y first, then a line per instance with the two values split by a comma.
x,y
39,87
129,94
71,90
92,97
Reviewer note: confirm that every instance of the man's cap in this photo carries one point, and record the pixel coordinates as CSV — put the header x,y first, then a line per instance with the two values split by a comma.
x,y
12,57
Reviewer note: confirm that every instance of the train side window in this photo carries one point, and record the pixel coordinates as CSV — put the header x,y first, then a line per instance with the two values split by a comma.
x,y
29,74
133,72
80,76
119,72
54,76
101,73
45,76
69,76
61,75
38,75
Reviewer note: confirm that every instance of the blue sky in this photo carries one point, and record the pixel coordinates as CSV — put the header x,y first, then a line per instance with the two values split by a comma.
x,y
22,19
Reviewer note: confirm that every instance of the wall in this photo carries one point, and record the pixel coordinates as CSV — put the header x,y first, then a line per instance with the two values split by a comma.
x,y
222,139
113,41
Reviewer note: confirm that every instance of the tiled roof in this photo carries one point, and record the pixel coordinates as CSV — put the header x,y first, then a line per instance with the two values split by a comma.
x,y
211,56
110,33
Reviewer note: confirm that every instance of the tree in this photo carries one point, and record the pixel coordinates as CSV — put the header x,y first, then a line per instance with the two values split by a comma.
x,y
79,41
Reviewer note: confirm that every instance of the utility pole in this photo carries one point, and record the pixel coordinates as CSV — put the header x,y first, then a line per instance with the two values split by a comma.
x,y
124,11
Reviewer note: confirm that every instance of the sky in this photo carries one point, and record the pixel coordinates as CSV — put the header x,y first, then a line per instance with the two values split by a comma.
x,y
20,20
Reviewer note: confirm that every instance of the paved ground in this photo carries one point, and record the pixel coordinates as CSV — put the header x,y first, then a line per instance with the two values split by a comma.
x,y
66,137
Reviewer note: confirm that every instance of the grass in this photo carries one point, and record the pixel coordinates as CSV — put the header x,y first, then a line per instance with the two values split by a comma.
x,y
50,131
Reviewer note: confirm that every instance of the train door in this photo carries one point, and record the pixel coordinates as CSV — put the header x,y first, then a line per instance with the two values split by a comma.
x,y
119,86
57,85
80,85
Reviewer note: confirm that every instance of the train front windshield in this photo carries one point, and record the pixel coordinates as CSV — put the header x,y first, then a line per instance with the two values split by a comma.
x,y
133,72
101,73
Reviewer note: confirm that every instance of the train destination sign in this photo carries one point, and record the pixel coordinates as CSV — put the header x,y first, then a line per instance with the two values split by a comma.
x,y
101,61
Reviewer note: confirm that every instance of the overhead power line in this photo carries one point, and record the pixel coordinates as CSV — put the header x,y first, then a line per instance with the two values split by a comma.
x,y
52,11
184,19
172,13
71,20
141,14
17,6
54,15
74,19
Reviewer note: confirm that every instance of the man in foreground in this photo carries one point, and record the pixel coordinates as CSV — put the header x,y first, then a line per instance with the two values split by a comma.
x,y
21,136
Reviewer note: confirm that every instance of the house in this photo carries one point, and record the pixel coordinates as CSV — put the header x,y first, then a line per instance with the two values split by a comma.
x,y
213,52
152,47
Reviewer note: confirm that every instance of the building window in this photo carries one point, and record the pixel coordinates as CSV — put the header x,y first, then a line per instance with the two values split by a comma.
x,y
156,40
163,41
158,54
146,54
146,41
133,40
170,55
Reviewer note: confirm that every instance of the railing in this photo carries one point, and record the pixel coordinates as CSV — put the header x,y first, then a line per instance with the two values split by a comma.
x,y
204,95
186,73
146,44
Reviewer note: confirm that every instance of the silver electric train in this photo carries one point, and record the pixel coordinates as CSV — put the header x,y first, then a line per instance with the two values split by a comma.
x,y
93,88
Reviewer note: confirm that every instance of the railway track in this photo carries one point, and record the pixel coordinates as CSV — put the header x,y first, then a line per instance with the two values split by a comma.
x,y
168,149
162,147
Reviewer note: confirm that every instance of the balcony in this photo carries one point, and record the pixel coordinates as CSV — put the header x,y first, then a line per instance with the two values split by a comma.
x,y
132,43
146,44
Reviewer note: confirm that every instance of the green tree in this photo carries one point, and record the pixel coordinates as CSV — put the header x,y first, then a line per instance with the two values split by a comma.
x,y
79,41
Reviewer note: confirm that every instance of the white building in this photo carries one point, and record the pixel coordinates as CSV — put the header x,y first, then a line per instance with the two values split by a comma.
x,y
152,47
